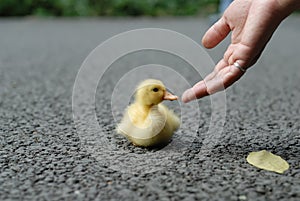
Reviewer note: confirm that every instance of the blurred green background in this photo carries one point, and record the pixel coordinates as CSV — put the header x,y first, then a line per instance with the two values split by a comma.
x,y
107,7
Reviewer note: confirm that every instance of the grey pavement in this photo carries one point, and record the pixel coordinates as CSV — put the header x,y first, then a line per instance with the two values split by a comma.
x,y
41,155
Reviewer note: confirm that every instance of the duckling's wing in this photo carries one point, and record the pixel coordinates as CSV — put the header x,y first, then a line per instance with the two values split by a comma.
x,y
133,127
157,128
172,120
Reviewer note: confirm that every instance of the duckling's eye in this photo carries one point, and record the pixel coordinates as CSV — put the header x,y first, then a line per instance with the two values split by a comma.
x,y
155,89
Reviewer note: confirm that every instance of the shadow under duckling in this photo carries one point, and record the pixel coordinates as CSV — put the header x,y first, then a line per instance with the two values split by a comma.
x,y
147,122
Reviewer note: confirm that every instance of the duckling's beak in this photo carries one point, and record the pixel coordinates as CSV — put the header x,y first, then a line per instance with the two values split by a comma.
x,y
169,96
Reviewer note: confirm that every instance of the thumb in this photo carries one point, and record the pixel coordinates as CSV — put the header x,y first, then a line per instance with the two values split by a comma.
x,y
216,33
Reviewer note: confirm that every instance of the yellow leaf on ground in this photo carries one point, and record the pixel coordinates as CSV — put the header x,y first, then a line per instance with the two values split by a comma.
x,y
267,161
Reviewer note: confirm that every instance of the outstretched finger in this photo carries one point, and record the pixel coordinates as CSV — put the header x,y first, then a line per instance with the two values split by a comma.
x,y
222,77
201,89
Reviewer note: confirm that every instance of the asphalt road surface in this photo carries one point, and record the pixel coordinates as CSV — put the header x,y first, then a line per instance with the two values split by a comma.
x,y
41,152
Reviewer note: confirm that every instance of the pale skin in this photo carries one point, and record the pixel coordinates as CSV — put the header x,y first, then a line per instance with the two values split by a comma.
x,y
252,23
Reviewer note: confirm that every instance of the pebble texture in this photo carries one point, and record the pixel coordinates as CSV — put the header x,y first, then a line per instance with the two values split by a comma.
x,y
41,157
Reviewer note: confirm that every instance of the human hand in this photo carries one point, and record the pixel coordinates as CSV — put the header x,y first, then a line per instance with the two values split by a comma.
x,y
252,23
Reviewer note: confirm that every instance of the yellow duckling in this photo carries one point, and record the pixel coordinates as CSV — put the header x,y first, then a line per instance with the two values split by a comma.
x,y
147,122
